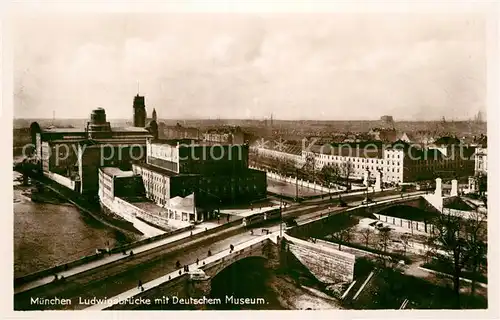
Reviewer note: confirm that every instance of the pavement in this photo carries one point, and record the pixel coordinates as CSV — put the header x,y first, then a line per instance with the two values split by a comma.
x,y
129,294
116,279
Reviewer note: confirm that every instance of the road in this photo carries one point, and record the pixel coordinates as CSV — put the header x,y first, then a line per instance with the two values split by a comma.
x,y
116,277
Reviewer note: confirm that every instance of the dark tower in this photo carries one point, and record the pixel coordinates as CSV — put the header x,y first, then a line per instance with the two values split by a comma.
x,y
154,115
139,112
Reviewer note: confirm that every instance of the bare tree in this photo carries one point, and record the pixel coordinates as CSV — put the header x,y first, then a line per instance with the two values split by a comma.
x,y
450,245
367,233
347,169
405,242
476,238
343,236
384,236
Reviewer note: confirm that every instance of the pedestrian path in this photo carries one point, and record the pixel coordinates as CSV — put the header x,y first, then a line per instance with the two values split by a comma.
x,y
248,212
129,294
204,226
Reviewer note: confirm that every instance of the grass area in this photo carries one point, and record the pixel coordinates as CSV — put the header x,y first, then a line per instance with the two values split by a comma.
x,y
446,267
388,289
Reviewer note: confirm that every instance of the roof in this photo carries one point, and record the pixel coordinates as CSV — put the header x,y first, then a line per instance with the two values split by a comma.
x,y
63,130
117,172
285,148
408,212
447,141
457,203
180,203
129,129
159,170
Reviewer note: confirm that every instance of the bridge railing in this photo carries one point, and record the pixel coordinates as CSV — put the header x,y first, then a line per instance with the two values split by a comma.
x,y
61,267
174,275
86,259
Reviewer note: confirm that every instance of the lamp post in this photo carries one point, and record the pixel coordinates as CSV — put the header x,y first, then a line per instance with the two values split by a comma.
x,y
281,215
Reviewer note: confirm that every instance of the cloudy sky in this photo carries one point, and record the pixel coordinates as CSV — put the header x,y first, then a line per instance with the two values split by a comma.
x,y
334,66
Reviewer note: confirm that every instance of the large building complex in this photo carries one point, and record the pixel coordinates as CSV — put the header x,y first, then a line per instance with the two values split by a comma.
x,y
73,156
217,174
396,163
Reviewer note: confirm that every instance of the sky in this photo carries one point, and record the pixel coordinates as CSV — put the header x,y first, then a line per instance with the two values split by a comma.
x,y
332,66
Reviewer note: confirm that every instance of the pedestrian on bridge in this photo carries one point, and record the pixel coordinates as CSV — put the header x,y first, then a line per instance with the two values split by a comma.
x,y
197,261
231,247
139,284
209,253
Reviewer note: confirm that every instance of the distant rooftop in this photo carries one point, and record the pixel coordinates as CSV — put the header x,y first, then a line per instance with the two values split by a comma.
x,y
457,203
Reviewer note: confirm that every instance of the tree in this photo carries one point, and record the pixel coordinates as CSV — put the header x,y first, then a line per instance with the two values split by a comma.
x,y
329,174
309,166
384,236
347,169
405,242
366,233
343,236
450,244
476,247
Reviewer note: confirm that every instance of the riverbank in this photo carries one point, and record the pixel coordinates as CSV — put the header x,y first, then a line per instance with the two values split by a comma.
x,y
93,210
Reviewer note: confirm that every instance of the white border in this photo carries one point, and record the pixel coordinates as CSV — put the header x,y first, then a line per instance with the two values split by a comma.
x,y
246,7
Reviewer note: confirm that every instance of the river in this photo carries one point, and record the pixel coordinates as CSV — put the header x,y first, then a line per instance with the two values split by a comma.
x,y
50,234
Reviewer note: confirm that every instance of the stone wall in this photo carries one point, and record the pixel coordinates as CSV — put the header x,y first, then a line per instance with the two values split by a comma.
x,y
326,263
67,182
132,211
405,223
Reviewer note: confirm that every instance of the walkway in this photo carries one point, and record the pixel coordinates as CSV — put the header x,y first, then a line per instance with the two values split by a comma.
x,y
175,274
114,257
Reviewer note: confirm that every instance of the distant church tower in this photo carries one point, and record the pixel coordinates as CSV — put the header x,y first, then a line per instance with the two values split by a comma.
x,y
154,115
139,112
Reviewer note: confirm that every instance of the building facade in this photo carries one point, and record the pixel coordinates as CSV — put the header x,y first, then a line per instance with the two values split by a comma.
x,y
398,163
481,161
216,174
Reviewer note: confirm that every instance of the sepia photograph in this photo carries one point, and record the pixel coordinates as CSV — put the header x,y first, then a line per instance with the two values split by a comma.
x,y
250,160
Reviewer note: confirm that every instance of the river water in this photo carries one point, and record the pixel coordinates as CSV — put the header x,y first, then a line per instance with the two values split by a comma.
x,y
50,234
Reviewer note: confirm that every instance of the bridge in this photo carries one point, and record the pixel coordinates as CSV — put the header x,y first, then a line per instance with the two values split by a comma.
x,y
117,277
187,285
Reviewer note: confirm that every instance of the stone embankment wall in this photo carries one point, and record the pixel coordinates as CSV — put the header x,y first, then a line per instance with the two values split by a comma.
x,y
326,263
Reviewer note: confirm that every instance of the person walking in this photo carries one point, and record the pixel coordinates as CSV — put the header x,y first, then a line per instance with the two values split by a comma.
x,y
139,284
209,253
197,261
178,264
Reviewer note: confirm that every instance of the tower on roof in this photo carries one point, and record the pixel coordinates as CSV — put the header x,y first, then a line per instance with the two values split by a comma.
x,y
153,116
139,111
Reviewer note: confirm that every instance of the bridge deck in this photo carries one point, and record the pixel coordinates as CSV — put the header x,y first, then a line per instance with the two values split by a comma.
x,y
129,294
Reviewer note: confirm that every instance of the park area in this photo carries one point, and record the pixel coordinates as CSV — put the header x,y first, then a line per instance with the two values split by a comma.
x,y
405,267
